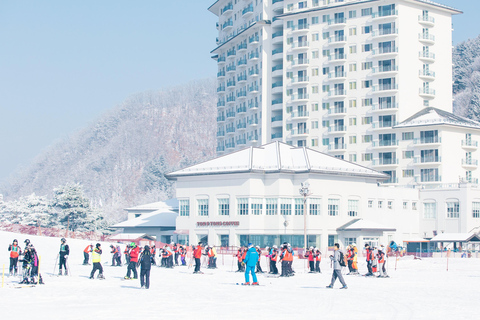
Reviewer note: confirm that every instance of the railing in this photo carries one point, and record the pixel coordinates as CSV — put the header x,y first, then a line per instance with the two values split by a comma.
x,y
426,73
338,146
384,87
227,24
384,106
220,74
384,69
221,59
300,114
303,26
242,77
252,88
230,114
337,128
385,143
277,118
231,68
300,96
384,32
241,109
341,74
253,39
278,50
220,118
277,34
253,55
220,89
277,67
470,162
337,110
253,137
242,125
231,52
242,46
231,99
338,56
426,55
248,9
277,135
385,50
231,83
220,148
383,162
427,159
301,44
469,143
230,145
337,39
426,91
338,92
391,180
252,105
297,62
299,131
252,72
221,103
384,124
424,36
220,133
226,8
253,121
277,84
427,140
337,21
230,129
422,18
277,101
384,13
241,62
241,94
241,141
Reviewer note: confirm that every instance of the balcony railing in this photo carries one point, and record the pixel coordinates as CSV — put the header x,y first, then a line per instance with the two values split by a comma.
x,y
469,143
337,56
277,118
242,125
220,148
427,140
384,69
227,24
385,50
241,109
230,129
252,72
252,105
340,74
278,50
384,13
277,34
230,145
384,161
253,55
277,135
248,9
469,162
226,8
337,128
220,133
231,52
303,26
242,77
337,21
277,67
277,84
221,89
385,143
253,39
385,87
299,96
297,62
337,39
425,91
242,46
241,142
426,55
338,146
221,74
385,106
384,32
337,110
433,159
220,118
221,103
300,44
295,132
230,114
428,19
426,37
253,121
338,92
277,101
299,114
425,73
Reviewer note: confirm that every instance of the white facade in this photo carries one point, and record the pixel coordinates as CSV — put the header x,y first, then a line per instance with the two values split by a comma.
x,y
253,196
335,76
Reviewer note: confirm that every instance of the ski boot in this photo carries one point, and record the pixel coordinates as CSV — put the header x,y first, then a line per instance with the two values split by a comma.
x,y
100,276
127,278
255,284
246,284
60,272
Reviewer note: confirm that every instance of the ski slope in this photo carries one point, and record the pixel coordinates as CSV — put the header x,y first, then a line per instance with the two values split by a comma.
x,y
418,289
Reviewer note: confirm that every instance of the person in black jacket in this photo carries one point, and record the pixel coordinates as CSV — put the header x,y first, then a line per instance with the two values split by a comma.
x,y
145,266
64,252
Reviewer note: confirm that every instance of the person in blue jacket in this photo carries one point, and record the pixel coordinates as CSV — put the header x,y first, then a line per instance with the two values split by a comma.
x,y
250,262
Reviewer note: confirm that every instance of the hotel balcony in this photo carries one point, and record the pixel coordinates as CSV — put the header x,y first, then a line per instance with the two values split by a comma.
x,y
253,72
230,145
277,87
299,80
231,68
339,57
339,76
337,147
252,88
384,125
253,105
221,59
426,93
277,103
384,14
426,56
231,53
230,130
253,55
221,74
277,54
253,122
428,179
384,88
247,11
426,38
241,125
340,22
220,133
230,83
469,163
385,107
221,104
230,99
221,119
427,161
384,33
230,115
385,162
337,129
241,142
242,94
431,141
300,45
297,132
226,9
220,148
277,121
384,144
253,40
277,135
469,145
426,75
299,97
337,40
253,138
300,115
277,71
337,93
221,89
386,70
242,109
426,21
300,62
242,78
242,63
383,52
242,47
298,28
337,111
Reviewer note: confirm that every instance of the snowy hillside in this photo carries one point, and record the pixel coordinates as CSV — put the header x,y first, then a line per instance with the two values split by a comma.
x,y
418,289
120,160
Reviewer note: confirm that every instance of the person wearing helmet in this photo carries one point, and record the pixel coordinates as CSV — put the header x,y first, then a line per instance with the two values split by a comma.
x,y
197,254
96,259
250,262
273,260
132,265
86,251
15,251
318,258
145,266
310,255
64,252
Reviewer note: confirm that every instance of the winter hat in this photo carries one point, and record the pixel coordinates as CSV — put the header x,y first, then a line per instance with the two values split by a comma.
x,y
147,248
98,245
250,245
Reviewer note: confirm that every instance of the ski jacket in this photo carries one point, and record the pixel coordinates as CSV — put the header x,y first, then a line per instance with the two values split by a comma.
x,y
96,255
309,255
14,251
134,254
239,255
197,253
318,256
369,255
336,260
214,252
381,257
64,250
210,253
114,251
251,257
88,249
273,256
145,261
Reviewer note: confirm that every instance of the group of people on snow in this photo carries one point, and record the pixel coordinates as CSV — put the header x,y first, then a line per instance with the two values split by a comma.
x,y
29,259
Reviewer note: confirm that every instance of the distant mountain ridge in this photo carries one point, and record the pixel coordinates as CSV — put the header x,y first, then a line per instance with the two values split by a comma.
x,y
120,160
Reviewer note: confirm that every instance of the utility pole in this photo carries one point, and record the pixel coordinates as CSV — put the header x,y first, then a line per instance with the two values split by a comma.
x,y
305,193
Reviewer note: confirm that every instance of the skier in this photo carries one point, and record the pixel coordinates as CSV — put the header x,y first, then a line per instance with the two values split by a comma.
x,y
212,257
350,255
96,259
273,260
119,257
369,259
152,253
132,265
250,262
240,259
337,268
318,258
197,254
114,253
176,250
169,256
64,252
145,266
381,263
259,267
86,251
183,253
285,257
310,255
15,251
126,253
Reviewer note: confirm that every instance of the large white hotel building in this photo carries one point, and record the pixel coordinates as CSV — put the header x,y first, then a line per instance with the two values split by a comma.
x,y
350,78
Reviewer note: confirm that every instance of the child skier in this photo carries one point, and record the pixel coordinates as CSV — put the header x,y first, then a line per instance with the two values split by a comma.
x,y
15,251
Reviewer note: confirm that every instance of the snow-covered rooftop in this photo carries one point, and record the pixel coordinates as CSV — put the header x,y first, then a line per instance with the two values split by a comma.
x,y
362,225
170,204
160,218
433,116
456,237
277,157
131,236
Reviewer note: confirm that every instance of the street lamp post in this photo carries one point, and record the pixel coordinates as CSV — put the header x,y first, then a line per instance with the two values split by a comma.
x,y
305,193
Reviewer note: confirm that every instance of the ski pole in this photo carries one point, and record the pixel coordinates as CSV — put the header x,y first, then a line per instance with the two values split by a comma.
x,y
68,267
55,265
3,275
38,269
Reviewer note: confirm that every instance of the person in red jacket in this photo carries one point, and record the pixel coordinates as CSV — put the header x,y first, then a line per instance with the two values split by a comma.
x,y
15,251
132,265
310,255
197,254
370,258
87,250
318,258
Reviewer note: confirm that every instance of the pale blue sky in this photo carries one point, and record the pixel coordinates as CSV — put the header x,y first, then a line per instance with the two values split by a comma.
x,y
64,63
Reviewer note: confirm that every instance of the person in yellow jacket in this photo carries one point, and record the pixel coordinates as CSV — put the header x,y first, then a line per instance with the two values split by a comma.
x,y
96,259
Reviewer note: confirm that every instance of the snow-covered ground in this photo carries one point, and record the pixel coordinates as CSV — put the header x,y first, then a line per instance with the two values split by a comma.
x,y
418,289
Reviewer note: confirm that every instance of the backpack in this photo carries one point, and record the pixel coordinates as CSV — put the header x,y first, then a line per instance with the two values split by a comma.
x,y
342,260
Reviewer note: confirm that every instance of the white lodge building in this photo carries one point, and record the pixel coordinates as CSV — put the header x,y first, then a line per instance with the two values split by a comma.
x,y
252,195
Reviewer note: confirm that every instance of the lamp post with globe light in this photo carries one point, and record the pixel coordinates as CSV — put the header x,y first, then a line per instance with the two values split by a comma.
x,y
305,193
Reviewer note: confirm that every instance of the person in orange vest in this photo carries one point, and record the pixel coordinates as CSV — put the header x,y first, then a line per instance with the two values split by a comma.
x,y
126,252
15,251
350,255
86,251
287,258
114,254
239,260
369,258
153,250
212,257
183,253
176,253
310,255
381,263
318,258
197,254
273,260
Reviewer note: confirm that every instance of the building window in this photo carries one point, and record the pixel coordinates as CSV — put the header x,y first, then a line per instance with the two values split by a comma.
x,y
314,106
429,210
315,54
325,141
314,20
224,207
286,206
367,138
202,207
352,14
366,29
380,204
366,157
333,207
315,205
353,208
352,121
476,209
367,120
390,205
353,32
352,67
315,37
405,205
408,154
314,142
350,241
366,12
453,209
256,204
314,124
242,206
414,206
353,85
353,49
299,207
184,208
315,89
367,65
408,173
370,203
271,206
407,135
352,157
367,47
352,103
314,72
